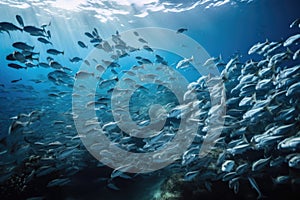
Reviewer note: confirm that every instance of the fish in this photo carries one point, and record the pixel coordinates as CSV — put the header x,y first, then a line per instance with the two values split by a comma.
x,y
75,59
211,61
55,65
145,61
55,52
242,169
184,63
191,175
181,30
89,35
23,46
16,80
293,90
255,186
96,40
43,40
95,32
291,143
136,33
291,40
142,40
45,65
147,48
16,66
257,47
7,26
82,45
30,64
260,164
35,31
296,55
20,20
229,176
83,74
295,23
48,34
58,182
294,162
227,166
281,180
19,56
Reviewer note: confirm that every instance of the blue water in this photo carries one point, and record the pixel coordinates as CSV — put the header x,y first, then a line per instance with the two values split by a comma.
x,y
229,30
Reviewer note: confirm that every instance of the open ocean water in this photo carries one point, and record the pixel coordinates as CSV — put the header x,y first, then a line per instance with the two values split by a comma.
x,y
150,99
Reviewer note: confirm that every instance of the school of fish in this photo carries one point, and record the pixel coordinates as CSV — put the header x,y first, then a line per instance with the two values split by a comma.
x,y
260,137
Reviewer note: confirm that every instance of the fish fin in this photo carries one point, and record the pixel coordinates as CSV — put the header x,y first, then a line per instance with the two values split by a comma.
x,y
245,139
8,33
63,53
254,97
220,58
192,58
289,51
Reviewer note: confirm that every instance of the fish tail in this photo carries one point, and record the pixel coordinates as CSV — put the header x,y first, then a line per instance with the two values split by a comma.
x,y
8,34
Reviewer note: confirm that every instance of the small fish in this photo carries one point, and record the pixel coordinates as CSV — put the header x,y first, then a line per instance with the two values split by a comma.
x,y
257,47
43,40
181,30
55,52
17,80
147,48
87,62
20,20
59,182
33,30
229,176
184,63
295,23
243,168
89,35
55,65
83,74
23,46
96,32
142,40
260,164
7,26
75,59
255,186
81,44
96,40
227,166
136,33
16,66
30,64
281,180
191,175
289,144
294,162
211,61
48,34
291,40
296,55
19,56
146,61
